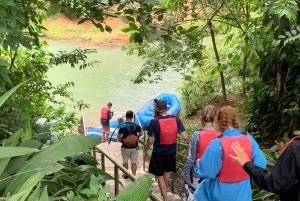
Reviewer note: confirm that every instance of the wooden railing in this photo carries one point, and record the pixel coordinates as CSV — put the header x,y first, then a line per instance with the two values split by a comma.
x,y
118,167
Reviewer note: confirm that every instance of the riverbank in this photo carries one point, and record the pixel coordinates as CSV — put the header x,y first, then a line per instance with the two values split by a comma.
x,y
62,28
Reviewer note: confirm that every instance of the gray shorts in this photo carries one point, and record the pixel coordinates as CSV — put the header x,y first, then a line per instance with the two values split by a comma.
x,y
131,154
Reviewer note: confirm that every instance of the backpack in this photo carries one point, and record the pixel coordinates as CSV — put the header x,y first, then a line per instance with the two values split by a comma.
x,y
131,139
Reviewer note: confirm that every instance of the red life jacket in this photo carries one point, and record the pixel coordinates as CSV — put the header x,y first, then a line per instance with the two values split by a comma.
x,y
231,171
205,136
168,131
292,140
104,112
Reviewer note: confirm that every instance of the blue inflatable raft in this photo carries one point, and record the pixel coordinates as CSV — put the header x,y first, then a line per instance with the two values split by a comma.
x,y
142,117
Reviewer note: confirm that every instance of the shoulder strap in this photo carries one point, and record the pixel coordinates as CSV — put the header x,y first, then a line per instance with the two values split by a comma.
x,y
128,128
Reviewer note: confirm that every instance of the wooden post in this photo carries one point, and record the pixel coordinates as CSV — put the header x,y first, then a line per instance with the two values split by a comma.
x,y
172,181
103,164
116,180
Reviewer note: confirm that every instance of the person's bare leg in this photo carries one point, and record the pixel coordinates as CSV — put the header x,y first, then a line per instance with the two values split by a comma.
x,y
103,136
133,168
125,165
162,187
167,176
107,135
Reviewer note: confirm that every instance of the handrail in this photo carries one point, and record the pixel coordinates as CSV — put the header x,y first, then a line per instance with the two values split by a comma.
x,y
124,170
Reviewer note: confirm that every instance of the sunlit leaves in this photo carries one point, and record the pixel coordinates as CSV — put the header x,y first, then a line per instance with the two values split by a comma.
x,y
287,8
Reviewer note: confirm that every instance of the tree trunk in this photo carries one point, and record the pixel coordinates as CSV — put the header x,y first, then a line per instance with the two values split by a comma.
x,y
212,35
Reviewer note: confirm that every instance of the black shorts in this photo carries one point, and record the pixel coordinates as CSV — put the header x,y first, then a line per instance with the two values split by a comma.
x,y
161,163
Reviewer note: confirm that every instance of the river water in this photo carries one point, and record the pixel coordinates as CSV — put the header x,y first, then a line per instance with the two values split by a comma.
x,y
108,81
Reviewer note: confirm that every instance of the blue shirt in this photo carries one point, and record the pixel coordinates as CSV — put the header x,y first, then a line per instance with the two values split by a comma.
x,y
154,130
123,130
190,161
210,189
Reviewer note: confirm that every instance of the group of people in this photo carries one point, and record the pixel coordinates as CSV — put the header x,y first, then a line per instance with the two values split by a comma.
x,y
220,162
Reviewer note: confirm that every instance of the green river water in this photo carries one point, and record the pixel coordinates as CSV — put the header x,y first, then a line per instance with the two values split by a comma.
x,y
108,81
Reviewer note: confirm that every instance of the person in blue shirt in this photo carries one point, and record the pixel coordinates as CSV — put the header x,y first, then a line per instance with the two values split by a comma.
x,y
163,131
225,179
129,150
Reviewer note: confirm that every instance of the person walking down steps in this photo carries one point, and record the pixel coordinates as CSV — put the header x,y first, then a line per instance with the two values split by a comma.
x,y
129,134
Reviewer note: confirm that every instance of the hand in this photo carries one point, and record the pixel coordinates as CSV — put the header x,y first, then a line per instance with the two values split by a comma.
x,y
241,156
186,181
146,157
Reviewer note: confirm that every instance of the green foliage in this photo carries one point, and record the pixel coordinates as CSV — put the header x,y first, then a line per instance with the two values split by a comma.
x,y
175,56
273,101
143,183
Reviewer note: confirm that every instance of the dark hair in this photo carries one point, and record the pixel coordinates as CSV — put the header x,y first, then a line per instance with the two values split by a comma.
x,y
161,106
155,100
129,114
109,104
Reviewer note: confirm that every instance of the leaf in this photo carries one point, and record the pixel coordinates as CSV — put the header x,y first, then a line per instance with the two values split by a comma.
x,y
139,190
3,28
160,18
15,151
4,62
132,25
120,7
262,195
4,97
103,191
4,74
44,196
48,167
41,121
87,191
49,125
192,28
192,37
294,32
21,18
131,39
124,19
127,29
26,187
108,28
36,194
25,119
57,151
94,184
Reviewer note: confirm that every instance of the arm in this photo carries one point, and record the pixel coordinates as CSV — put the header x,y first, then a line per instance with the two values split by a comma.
x,y
181,130
120,135
110,114
150,138
139,131
191,157
211,161
283,177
